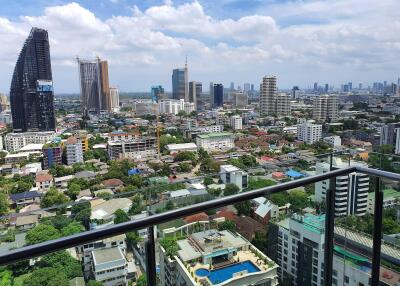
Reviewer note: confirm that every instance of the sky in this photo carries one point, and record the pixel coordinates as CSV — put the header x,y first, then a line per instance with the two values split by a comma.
x,y
299,41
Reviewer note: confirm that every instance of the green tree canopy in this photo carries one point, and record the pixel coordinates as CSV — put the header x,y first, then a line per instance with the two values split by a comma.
x,y
53,197
47,276
3,204
120,216
41,233
231,189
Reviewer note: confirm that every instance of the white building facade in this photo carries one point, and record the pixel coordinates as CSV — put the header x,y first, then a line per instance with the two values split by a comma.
x,y
309,133
215,141
15,141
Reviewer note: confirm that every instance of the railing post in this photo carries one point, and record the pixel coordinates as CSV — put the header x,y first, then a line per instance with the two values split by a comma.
x,y
151,258
329,232
376,251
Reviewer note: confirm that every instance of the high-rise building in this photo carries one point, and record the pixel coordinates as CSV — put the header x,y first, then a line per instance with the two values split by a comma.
x,y
268,91
232,86
326,89
195,90
94,86
114,99
315,86
390,134
282,105
326,108
31,93
4,104
74,150
295,92
350,85
180,86
52,155
351,191
236,122
157,93
239,99
309,133
360,86
216,94
246,87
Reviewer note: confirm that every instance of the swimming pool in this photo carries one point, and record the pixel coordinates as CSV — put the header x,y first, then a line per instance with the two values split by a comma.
x,y
202,272
220,275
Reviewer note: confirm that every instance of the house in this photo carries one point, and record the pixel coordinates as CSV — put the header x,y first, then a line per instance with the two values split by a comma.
x,y
87,175
264,210
44,181
105,210
196,217
25,198
230,174
113,184
62,182
26,222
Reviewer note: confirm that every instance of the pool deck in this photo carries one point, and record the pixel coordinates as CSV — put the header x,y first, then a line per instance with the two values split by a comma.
x,y
241,256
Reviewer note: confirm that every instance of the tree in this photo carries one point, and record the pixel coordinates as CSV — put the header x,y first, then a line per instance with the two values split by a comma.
x,y
142,281
20,187
298,200
6,277
231,189
95,283
169,206
58,221
120,216
47,276
185,167
41,233
62,261
260,241
73,190
3,204
73,228
279,199
243,208
208,181
52,198
227,225
259,183
132,238
137,206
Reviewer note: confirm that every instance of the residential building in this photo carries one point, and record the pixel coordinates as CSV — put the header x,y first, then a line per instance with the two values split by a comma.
x,y
214,258
94,86
195,90
268,92
390,134
216,95
215,141
25,198
31,93
180,86
4,103
120,135
114,99
157,93
74,150
282,105
145,107
194,131
52,155
326,108
15,141
238,99
391,199
309,132
109,266
230,174
236,122
351,191
82,135
44,181
176,148
334,141
172,106
140,148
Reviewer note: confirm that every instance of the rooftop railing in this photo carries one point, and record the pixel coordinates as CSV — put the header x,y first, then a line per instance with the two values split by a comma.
x,y
28,252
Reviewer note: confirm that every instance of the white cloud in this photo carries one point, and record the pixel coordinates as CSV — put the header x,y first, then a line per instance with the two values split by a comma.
x,y
149,43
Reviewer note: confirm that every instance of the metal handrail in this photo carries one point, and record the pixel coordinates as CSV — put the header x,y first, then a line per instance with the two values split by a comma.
x,y
43,248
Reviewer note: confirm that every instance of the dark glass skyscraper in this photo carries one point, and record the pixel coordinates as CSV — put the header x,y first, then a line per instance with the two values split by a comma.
x,y
218,95
180,86
31,93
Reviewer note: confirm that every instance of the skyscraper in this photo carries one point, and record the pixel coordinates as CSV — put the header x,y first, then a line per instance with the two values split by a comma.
x,y
157,92
31,93
268,96
315,86
114,99
94,85
246,87
180,86
195,90
326,108
216,94
282,105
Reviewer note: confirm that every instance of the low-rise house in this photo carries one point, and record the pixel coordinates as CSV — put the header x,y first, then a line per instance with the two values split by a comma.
x,y
113,184
230,174
105,211
62,182
28,222
264,210
87,175
25,198
44,181
109,266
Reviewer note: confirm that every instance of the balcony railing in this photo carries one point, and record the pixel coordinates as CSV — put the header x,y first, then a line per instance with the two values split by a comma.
x,y
149,222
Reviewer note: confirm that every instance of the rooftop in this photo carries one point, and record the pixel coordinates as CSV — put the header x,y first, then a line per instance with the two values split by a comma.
x,y
106,255
215,135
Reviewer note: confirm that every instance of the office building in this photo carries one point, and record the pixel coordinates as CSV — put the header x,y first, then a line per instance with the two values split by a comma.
x,y
114,99
140,148
216,95
295,92
213,257
195,90
52,155
31,93
94,86
326,108
282,105
230,174
215,141
351,191
180,86
157,92
315,86
74,150
236,122
238,99
232,86
268,91
15,141
309,132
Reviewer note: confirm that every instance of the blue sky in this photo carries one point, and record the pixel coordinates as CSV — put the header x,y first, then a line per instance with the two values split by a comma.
x,y
299,41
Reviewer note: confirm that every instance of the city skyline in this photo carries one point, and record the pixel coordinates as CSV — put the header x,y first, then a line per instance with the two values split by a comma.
x,y
299,42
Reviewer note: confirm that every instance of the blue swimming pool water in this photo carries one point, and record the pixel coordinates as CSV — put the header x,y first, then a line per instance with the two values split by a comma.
x,y
225,273
202,272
